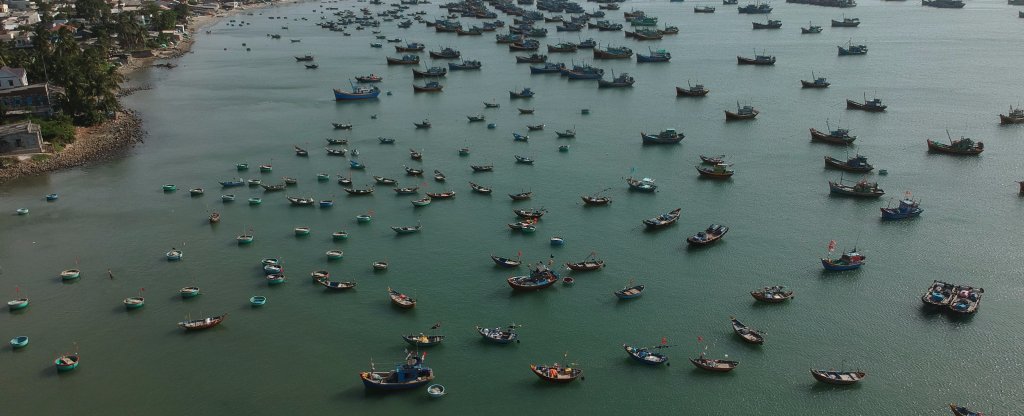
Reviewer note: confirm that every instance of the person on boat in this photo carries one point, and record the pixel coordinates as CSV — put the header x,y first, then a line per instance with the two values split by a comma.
x,y
110,273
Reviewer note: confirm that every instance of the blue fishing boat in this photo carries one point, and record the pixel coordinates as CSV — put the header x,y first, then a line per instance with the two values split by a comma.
x,y
589,43
232,183
19,342
519,137
645,355
659,55
540,277
354,164
547,68
358,92
404,60
755,9
465,65
641,185
410,374
583,72
847,261
506,262
524,93
327,203
907,208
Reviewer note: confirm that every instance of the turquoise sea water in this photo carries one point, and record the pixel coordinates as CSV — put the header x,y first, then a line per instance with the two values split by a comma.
x,y
302,352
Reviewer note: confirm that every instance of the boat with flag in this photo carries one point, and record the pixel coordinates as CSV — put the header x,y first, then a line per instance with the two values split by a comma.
x,y
648,355
873,105
849,260
424,340
410,374
692,90
713,364
962,146
816,82
588,264
838,136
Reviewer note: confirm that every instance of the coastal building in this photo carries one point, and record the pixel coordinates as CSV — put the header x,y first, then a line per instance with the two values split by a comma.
x,y
29,99
13,77
20,138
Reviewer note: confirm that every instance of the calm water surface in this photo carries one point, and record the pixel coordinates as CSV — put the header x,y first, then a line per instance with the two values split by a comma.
x,y
936,69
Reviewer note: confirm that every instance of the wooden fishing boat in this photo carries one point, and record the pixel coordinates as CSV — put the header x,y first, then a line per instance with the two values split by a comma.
x,y
563,47
874,105
358,92
849,260
963,146
359,192
410,47
304,58
556,373
1015,115
712,234
407,229
756,60
810,29
384,181
713,364
401,300
523,160
355,164
703,9
441,195
522,196
19,342
276,279
369,78
524,93
645,355
742,113
540,277
319,275
134,302
939,294
205,323
526,110
852,49
966,300
273,188
298,152
479,188
772,294
770,24
432,86
838,136
423,340
747,333
692,91
856,163
524,45
663,220
70,274
491,105
838,377
408,375
196,192
189,292
422,202
380,265
712,160
478,117
66,362
336,152
335,254
299,201
439,176
446,53
404,60
257,301
531,59
336,286
594,200
337,126
862,188
406,191
567,134
386,140
409,171
255,182
506,262
16,304
585,266
667,136
846,22
482,168
499,335
630,292
620,52
432,72
818,82
960,410
907,208
641,185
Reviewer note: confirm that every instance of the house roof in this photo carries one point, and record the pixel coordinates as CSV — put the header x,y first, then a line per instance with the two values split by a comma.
x,y
25,127
8,72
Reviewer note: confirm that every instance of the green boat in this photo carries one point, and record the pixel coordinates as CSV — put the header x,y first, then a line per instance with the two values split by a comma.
x,y
244,239
66,362
257,301
255,200
339,235
301,231
196,191
323,177
644,21
464,151
189,292
563,148
170,188
335,255
70,274
242,166
134,303
275,279
364,218
22,211
266,168
19,342
17,304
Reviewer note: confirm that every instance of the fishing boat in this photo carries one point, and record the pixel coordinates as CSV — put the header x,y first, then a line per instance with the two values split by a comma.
x,y
861,188
623,80
242,166
772,294
810,29
337,126
404,60
838,136
276,279
273,188
189,292
410,47
523,160
540,277
770,24
630,292
255,182
196,192
849,260
174,255
563,148
659,55
166,188
742,113
747,333
257,301
70,274
406,190
339,235
423,340
852,49
480,188
663,220
51,197
943,4
422,202
756,60
1015,115
359,192
613,52
66,362
532,214
134,302
319,275
335,254
322,176
326,203
588,43
482,168
838,377
491,105
499,335
465,65
439,176
478,117
818,82
435,390
205,323
547,68
692,90
432,72
408,375
384,181
401,300
907,208
645,355
446,53
856,163
531,59
939,294
413,171
966,300
963,146
703,9
432,86
441,195
19,342
718,171
713,364
407,229
336,286
379,265
667,136
567,134
526,226
227,197
522,196
713,233
304,58
563,47
299,201
524,93
585,265
874,105
960,410
583,72
556,373
752,8
645,185
506,262
16,304
369,78
356,93
244,239
524,45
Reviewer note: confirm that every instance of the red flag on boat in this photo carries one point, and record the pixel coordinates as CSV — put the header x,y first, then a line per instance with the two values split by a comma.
x,y
520,253
424,355
700,338
831,246
664,340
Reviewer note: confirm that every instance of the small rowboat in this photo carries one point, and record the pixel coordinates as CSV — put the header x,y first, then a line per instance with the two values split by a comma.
x,y
422,340
254,182
568,281
326,203
337,141
272,268
242,166
712,160
174,255
630,292
189,292
533,214
257,301
413,171
772,294
406,191
166,188
435,390
244,239
70,274
66,362
586,265
380,265
276,279
339,235
319,275
521,196
266,168
480,188
441,195
359,192
336,285
214,218
205,323
384,181
415,155
499,335
227,197
21,211
301,231
557,241
719,171
714,365
407,229
505,262
196,192
323,177
526,110
17,304
713,233
335,255
49,197
838,377
401,300
464,151
438,176
523,160
19,342
134,302
422,202
663,220
596,200
482,168
960,410
645,355
556,373
748,334
519,137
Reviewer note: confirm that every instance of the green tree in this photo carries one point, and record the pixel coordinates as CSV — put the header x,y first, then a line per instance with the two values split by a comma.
x,y
92,10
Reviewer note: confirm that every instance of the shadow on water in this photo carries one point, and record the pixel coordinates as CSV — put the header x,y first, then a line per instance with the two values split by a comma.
x,y
824,387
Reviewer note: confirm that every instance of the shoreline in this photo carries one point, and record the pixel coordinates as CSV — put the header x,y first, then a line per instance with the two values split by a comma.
x,y
114,137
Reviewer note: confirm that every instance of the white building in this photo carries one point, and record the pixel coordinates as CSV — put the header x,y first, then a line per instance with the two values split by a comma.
x,y
13,77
